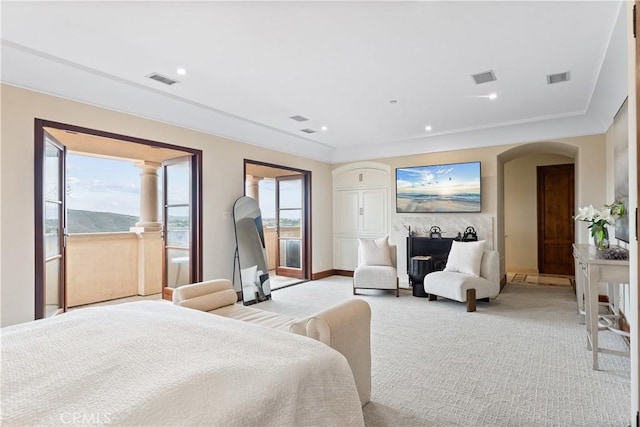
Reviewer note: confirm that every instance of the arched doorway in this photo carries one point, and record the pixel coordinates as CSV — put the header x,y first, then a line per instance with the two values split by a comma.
x,y
536,205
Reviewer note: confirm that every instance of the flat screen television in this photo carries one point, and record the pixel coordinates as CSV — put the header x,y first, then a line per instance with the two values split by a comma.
x,y
439,188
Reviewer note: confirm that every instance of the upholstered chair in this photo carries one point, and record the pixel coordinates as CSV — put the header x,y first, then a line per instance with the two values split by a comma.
x,y
377,266
471,274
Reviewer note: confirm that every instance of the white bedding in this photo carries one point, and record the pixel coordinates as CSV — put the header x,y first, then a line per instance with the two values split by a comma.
x,y
154,363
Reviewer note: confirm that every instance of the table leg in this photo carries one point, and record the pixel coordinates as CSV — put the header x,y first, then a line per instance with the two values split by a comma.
x,y
592,313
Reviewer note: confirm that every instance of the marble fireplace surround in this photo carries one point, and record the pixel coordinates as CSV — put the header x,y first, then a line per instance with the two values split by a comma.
x,y
450,224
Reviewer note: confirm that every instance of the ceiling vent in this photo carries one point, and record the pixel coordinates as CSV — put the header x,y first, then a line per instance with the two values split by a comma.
x,y
557,78
485,77
162,79
308,130
299,118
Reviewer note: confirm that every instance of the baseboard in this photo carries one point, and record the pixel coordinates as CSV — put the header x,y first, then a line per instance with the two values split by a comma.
x,y
346,273
322,274
503,282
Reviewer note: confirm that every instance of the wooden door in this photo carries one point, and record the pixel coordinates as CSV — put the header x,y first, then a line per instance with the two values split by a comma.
x,y
555,219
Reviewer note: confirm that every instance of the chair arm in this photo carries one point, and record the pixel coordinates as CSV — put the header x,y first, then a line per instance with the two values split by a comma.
x,y
346,328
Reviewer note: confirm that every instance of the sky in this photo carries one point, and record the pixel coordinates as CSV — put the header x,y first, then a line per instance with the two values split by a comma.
x,y
290,196
454,178
107,185
102,185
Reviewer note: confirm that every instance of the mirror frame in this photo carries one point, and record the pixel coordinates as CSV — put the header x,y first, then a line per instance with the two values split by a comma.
x,y
251,254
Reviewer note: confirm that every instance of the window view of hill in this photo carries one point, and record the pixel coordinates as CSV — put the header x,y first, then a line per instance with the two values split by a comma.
x,y
79,221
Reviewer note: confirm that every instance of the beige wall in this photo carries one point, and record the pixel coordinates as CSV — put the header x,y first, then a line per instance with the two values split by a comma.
x,y
520,210
223,163
222,184
591,172
488,157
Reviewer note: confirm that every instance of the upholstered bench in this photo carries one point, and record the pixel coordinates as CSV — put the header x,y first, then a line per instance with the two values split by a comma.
x,y
344,327
471,274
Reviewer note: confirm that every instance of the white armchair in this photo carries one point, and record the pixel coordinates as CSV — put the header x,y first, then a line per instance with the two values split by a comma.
x,y
465,287
377,270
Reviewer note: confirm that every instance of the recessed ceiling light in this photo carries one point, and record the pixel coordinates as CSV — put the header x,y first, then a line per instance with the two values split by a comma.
x,y
324,128
493,96
393,101
181,71
427,128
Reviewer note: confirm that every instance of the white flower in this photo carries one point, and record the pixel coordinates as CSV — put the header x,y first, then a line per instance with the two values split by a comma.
x,y
605,215
587,213
600,218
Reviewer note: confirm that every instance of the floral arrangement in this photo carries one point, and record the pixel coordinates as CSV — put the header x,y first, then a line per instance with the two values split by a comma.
x,y
599,220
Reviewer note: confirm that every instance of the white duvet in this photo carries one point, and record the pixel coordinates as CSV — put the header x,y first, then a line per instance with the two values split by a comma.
x,y
154,363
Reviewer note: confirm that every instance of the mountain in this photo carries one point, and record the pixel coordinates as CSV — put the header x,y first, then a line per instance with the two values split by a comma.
x,y
98,222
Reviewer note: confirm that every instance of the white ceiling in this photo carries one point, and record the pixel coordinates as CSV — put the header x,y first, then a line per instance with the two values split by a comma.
x,y
252,65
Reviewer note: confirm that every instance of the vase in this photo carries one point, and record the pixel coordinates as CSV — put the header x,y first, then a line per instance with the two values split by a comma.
x,y
600,237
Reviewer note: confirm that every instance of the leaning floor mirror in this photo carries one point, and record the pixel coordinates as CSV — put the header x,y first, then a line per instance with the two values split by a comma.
x,y
251,251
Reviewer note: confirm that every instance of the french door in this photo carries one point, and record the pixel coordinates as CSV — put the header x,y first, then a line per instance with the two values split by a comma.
x,y
50,229
182,257
178,226
290,217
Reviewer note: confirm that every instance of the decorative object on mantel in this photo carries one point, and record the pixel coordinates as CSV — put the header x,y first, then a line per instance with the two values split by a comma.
x,y
435,232
599,220
615,253
411,233
470,235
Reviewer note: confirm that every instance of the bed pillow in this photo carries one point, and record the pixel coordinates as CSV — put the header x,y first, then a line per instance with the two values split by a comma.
x,y
375,251
212,301
465,257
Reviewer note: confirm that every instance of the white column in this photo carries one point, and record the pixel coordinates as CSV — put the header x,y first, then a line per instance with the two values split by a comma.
x,y
252,186
148,196
150,244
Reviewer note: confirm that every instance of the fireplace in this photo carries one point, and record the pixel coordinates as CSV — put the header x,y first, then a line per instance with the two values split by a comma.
x,y
437,249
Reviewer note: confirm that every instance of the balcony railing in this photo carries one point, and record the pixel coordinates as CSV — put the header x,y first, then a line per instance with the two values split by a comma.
x,y
104,266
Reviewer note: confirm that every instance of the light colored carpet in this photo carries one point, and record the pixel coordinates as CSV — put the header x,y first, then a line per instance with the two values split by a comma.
x,y
520,360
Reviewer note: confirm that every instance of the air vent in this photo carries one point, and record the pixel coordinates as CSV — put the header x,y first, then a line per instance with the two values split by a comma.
x,y
557,78
162,79
485,77
308,130
299,118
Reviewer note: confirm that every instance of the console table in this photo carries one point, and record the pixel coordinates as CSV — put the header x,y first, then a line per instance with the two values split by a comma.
x,y
590,272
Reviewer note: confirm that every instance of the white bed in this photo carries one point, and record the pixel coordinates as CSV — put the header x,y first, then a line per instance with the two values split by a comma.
x,y
154,363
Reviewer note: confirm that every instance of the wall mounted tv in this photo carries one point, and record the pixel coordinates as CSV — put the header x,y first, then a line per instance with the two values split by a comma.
x,y
439,188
